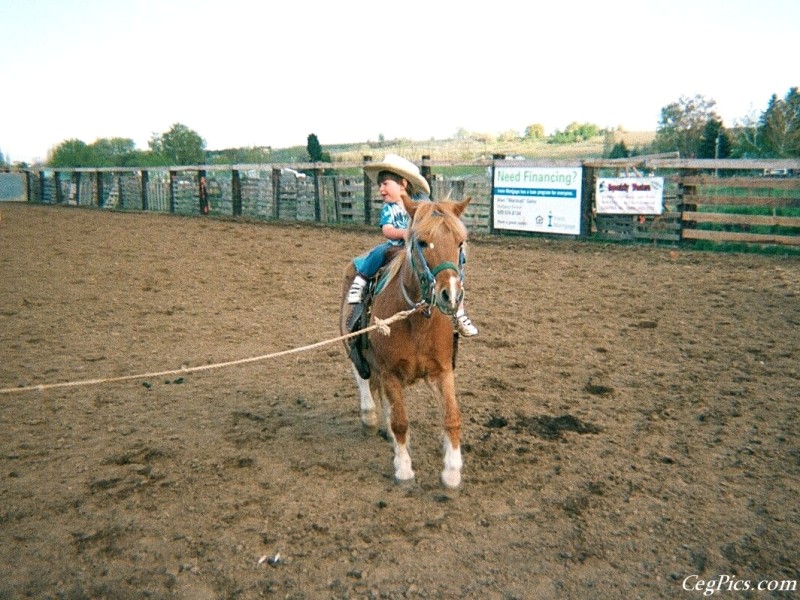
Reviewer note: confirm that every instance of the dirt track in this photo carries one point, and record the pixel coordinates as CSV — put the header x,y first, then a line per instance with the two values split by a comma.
x,y
630,420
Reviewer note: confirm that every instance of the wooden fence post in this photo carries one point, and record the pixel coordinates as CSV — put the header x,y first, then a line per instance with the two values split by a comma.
x,y
42,179
145,183
367,195
57,181
98,187
276,192
685,190
587,193
172,176
336,201
495,158
76,181
425,171
28,186
318,194
236,193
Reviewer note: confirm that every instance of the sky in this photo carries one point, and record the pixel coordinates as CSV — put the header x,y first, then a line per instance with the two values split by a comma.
x,y
253,73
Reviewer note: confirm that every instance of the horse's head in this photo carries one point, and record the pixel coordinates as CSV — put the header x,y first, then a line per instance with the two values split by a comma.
x,y
435,248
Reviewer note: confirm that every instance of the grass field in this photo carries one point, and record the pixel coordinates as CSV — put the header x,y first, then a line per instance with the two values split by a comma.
x,y
472,148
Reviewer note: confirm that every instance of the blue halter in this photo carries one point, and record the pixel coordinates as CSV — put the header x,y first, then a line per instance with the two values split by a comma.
x,y
426,276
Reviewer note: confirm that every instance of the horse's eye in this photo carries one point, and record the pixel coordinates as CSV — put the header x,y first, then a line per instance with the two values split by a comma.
x,y
422,243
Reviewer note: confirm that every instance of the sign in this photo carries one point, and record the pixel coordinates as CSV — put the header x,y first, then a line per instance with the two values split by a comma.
x,y
630,195
538,199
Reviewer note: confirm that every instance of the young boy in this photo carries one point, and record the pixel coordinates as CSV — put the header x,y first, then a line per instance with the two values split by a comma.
x,y
395,175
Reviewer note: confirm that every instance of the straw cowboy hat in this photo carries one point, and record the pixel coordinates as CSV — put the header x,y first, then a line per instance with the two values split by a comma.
x,y
402,167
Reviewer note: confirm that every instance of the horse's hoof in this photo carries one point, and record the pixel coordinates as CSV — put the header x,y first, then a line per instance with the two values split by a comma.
x,y
405,483
403,474
451,479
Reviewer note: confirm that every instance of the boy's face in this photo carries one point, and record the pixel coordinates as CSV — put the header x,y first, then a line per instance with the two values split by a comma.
x,y
390,190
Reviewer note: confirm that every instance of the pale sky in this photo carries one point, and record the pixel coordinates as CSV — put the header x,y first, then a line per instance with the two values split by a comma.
x,y
257,73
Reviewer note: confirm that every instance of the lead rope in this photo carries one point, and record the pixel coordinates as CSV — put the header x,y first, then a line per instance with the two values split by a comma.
x,y
381,325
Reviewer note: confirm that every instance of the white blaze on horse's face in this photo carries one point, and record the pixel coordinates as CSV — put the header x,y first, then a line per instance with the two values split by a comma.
x,y
449,297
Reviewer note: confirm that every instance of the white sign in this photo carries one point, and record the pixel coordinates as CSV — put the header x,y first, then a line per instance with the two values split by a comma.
x,y
630,195
540,199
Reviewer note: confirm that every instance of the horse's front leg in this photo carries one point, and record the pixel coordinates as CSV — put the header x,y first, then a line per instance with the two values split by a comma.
x,y
369,418
398,425
444,387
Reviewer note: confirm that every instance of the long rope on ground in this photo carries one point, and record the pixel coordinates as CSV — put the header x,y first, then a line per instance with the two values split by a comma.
x,y
380,324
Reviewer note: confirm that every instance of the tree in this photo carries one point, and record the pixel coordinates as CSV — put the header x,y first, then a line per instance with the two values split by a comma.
x,y
779,127
682,124
773,134
179,146
314,148
746,143
232,156
113,152
575,132
315,152
70,153
535,131
620,150
715,142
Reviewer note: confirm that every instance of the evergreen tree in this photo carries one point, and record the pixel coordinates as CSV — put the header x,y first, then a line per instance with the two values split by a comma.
x,y
314,148
779,126
620,150
715,142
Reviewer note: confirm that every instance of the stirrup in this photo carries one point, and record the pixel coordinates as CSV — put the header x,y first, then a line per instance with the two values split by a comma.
x,y
465,326
360,363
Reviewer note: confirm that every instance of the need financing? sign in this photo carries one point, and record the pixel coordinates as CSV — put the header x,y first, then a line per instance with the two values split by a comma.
x,y
537,199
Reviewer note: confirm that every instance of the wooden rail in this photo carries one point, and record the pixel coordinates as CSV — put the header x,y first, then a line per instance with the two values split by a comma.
x,y
703,199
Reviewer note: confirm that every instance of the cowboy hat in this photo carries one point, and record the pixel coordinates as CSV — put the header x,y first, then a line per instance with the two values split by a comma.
x,y
399,166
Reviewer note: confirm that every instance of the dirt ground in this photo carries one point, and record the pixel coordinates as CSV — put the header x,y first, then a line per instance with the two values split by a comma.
x,y
630,420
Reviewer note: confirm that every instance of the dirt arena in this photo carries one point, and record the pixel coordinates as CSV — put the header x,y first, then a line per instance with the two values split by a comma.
x,y
631,421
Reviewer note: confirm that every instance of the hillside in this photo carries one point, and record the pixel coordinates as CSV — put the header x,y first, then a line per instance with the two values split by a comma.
x,y
471,148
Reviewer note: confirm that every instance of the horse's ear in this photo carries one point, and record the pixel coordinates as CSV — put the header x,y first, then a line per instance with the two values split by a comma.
x,y
408,203
460,207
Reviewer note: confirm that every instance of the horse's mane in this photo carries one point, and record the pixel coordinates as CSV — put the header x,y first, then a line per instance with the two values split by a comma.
x,y
430,217
428,221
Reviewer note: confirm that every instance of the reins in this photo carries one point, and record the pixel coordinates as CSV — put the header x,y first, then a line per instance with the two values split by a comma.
x,y
381,325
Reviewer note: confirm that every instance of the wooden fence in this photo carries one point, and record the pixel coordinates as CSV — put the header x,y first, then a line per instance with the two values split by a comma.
x,y
705,201
714,201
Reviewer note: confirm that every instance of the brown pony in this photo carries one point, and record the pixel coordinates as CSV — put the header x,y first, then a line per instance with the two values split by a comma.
x,y
427,276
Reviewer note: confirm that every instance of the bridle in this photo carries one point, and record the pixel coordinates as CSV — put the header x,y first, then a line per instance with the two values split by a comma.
x,y
426,276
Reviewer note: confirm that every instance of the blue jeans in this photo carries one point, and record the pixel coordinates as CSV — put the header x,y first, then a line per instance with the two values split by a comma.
x,y
370,263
